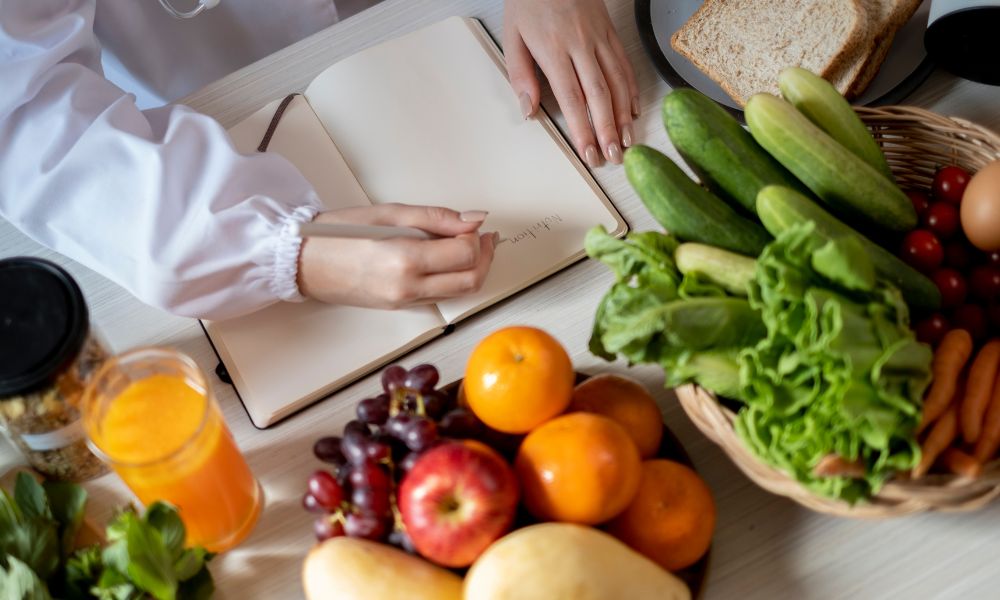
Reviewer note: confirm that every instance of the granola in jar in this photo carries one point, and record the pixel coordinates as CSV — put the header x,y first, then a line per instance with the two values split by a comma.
x,y
47,353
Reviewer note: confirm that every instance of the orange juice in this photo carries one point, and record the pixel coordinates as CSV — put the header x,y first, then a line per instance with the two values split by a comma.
x,y
150,415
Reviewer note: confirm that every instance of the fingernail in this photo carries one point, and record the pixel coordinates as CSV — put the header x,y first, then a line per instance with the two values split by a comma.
x,y
473,216
590,154
496,238
525,104
635,106
615,153
627,135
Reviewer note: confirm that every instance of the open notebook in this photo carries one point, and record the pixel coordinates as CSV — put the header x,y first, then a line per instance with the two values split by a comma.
x,y
428,118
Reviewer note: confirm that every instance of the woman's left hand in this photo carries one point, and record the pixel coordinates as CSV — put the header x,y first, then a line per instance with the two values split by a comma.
x,y
577,48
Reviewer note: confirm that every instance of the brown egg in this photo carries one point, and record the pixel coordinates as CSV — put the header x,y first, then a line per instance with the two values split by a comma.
x,y
981,208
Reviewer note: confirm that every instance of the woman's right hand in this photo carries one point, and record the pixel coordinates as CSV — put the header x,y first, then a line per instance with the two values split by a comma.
x,y
398,272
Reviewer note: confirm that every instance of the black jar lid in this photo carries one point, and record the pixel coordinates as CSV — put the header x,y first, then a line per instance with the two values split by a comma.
x,y
966,42
43,323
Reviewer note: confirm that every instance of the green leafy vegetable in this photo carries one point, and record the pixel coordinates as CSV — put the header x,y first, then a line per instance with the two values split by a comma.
x,y
19,582
839,372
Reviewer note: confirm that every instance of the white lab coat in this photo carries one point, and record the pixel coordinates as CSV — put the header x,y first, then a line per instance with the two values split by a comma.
x,y
157,200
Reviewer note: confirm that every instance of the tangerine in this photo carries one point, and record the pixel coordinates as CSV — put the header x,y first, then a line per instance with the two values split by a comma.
x,y
578,468
517,378
671,518
626,402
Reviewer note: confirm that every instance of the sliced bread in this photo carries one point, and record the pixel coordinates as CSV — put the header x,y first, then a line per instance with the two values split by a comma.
x,y
744,44
897,14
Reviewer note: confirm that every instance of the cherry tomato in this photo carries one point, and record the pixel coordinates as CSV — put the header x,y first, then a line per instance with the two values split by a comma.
x,y
942,219
972,318
949,184
993,258
920,201
932,329
952,286
958,254
985,282
922,250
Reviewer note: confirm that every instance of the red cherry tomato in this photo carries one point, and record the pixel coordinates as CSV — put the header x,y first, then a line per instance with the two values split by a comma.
x,y
993,258
920,201
972,318
958,254
922,250
932,329
942,219
985,282
952,286
949,184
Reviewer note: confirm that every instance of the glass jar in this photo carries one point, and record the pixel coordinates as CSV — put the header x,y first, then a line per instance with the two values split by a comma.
x,y
47,354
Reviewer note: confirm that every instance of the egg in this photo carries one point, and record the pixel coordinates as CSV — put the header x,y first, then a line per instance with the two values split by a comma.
x,y
981,208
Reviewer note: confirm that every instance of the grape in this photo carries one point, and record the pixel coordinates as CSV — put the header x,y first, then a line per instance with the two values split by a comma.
x,y
420,434
326,528
435,403
460,423
421,378
311,504
407,463
399,537
327,449
393,378
354,448
365,525
326,490
356,427
398,425
374,411
371,500
369,475
378,451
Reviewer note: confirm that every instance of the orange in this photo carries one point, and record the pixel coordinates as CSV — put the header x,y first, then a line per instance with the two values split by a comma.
x,y
517,378
626,402
579,468
672,517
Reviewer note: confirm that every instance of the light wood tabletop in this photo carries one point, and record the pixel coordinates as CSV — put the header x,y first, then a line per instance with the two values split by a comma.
x,y
764,546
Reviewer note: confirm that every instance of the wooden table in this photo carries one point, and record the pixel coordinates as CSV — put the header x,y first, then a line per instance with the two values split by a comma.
x,y
765,546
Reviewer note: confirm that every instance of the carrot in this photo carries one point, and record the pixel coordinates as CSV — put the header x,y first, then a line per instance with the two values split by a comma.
x,y
955,461
833,465
978,389
940,437
949,360
989,439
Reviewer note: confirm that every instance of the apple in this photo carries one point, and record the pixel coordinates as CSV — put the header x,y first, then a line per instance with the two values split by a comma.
x,y
457,499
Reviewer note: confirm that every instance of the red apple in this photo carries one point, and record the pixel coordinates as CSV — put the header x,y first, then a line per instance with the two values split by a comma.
x,y
457,499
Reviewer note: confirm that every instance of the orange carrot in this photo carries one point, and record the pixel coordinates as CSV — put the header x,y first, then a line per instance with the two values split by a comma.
x,y
940,437
955,461
978,390
833,465
989,439
949,360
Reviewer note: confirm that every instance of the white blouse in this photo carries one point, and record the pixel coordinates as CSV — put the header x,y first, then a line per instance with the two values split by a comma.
x,y
157,199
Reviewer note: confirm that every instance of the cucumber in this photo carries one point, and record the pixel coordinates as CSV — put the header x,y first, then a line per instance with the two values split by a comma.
x,y
686,209
724,155
822,104
781,208
730,270
847,184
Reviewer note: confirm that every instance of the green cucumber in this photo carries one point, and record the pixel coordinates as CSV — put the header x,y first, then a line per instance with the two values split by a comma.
x,y
686,209
781,208
724,155
730,270
847,184
822,104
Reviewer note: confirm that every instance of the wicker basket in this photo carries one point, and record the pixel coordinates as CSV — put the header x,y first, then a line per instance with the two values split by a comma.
x,y
916,143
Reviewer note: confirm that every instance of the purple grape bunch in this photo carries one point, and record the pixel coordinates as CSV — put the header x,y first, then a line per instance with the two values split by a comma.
x,y
355,496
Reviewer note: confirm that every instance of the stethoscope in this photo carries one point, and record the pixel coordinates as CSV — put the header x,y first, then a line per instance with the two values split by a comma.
x,y
203,5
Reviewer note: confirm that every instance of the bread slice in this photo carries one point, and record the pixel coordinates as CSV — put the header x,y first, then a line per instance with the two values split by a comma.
x,y
877,13
898,12
744,44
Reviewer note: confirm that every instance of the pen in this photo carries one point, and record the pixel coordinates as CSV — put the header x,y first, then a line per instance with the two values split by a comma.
x,y
370,232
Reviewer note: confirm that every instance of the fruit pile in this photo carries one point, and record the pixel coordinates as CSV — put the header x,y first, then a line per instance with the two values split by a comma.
x,y
444,473
967,277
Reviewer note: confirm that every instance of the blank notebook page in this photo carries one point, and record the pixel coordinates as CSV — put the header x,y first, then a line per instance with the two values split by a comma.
x,y
429,118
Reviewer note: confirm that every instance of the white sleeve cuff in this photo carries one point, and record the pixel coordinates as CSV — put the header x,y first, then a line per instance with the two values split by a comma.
x,y
284,275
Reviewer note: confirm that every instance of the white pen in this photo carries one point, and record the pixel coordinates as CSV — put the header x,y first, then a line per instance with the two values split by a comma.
x,y
369,232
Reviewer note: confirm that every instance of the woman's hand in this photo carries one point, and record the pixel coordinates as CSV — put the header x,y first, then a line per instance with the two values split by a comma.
x,y
398,272
577,48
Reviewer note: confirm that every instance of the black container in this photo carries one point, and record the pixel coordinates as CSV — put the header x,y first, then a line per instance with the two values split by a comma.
x,y
47,353
963,37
